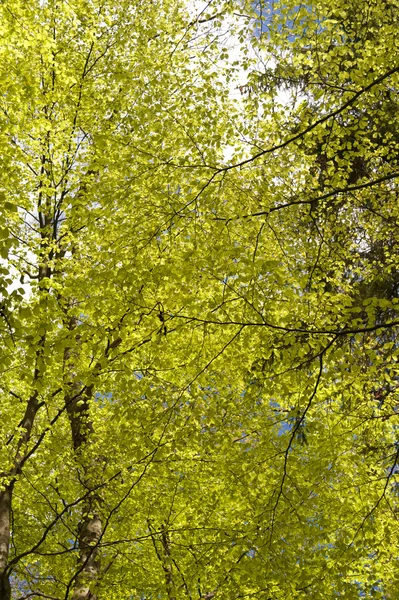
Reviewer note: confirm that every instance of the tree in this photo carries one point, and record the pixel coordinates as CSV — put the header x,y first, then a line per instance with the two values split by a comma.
x,y
199,379
315,288
99,107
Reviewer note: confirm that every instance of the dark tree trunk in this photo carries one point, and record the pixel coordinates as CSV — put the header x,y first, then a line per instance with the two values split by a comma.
x,y
5,518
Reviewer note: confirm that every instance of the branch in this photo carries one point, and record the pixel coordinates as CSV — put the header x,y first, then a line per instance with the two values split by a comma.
x,y
335,332
350,188
313,125
294,431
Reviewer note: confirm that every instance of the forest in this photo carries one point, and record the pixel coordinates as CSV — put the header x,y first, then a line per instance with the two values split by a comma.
x,y
199,299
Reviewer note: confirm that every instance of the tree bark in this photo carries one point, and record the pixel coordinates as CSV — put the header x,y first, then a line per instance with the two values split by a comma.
x,y
165,558
6,494
5,518
90,528
167,564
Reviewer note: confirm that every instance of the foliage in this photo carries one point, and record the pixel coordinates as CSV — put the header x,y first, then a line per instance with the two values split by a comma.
x,y
199,366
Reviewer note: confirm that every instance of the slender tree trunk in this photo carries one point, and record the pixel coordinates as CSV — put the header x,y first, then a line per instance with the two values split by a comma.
x,y
165,558
90,527
167,564
6,494
5,517
89,562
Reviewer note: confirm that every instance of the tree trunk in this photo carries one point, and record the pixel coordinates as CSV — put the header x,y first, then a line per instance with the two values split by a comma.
x,y
6,494
165,558
89,563
90,527
5,516
167,564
